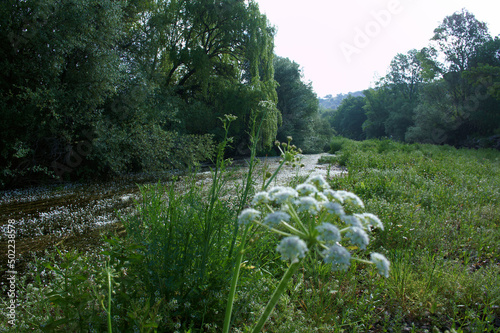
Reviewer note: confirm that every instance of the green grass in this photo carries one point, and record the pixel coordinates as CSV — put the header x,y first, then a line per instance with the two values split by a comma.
x,y
441,211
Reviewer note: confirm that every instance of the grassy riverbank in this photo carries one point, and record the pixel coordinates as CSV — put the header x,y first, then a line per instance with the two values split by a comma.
x,y
441,211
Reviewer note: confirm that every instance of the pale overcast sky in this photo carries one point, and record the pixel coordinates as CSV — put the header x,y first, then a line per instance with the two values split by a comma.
x,y
344,46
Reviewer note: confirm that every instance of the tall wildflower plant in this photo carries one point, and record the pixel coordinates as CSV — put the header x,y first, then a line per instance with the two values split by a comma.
x,y
289,155
311,217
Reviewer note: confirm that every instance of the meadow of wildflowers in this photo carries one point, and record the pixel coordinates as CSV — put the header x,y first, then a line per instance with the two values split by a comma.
x,y
407,240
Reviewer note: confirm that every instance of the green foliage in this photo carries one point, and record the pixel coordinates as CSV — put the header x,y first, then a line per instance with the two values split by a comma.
x,y
336,144
91,88
423,100
439,206
298,105
436,204
349,118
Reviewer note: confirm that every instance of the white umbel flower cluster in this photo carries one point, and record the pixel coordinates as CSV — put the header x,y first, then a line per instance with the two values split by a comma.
x,y
314,214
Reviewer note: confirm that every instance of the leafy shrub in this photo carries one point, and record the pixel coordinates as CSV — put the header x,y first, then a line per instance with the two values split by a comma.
x,y
336,143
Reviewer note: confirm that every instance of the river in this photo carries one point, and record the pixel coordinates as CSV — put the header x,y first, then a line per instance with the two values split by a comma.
x,y
73,215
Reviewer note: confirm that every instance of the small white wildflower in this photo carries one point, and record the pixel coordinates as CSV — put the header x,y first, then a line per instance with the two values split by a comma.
x,y
338,256
352,220
275,218
248,215
320,197
328,233
352,198
275,189
358,237
306,189
334,208
381,262
318,181
369,219
260,198
307,204
333,196
292,248
283,194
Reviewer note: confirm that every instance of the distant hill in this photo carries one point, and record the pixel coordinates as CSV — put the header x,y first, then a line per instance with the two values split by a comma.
x,y
331,103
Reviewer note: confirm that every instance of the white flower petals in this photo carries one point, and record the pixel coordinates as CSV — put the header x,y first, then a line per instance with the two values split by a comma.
x,y
370,220
358,237
338,256
328,233
248,215
260,198
318,181
352,198
292,248
334,208
307,204
381,262
279,194
306,189
300,210
275,218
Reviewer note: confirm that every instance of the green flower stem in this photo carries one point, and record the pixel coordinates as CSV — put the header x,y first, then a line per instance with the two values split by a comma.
x,y
234,281
294,230
295,216
275,230
276,296
362,260
274,175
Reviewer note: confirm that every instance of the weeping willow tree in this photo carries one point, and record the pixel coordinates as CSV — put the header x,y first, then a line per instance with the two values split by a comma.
x,y
215,56
140,76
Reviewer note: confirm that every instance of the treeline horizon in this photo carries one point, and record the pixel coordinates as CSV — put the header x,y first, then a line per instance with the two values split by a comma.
x,y
92,89
445,93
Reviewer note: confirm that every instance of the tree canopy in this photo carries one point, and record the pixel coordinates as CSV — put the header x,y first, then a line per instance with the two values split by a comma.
x,y
446,93
100,87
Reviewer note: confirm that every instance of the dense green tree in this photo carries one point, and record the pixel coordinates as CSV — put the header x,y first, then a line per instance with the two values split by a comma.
x,y
349,118
299,107
58,64
464,110
389,108
458,37
109,86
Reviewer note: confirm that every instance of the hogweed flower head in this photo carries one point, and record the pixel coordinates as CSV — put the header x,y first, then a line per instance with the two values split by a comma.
x,y
306,189
338,256
334,208
260,198
279,195
292,248
275,218
381,262
319,182
328,233
351,197
306,216
370,220
248,215
314,215
307,204
333,196
358,237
